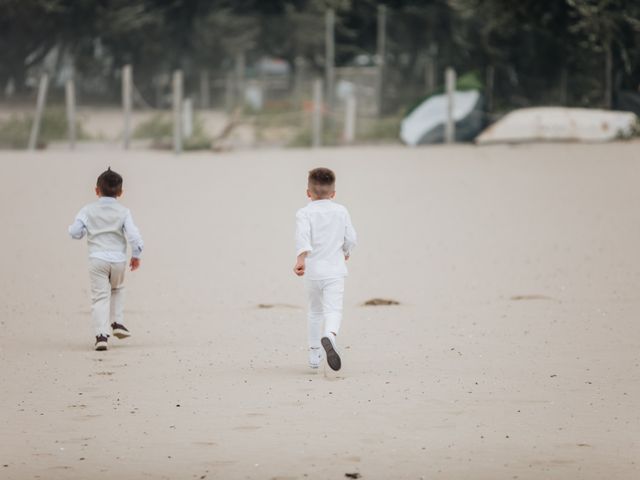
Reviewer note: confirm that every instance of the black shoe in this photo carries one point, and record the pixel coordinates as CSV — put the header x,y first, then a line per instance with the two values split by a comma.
x,y
120,331
101,342
333,358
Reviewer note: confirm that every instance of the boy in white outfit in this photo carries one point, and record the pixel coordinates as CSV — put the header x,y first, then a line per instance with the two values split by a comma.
x,y
324,241
108,225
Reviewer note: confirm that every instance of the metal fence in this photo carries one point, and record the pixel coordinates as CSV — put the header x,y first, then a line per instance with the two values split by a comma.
x,y
319,90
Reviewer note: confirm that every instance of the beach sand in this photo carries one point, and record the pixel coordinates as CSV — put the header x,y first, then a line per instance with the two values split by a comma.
x,y
514,352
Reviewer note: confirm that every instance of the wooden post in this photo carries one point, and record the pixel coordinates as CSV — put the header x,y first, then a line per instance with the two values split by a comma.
x,y
127,92
431,68
608,75
240,75
177,111
450,125
187,118
564,81
298,79
228,93
42,97
380,54
350,119
70,95
330,54
204,90
490,73
316,124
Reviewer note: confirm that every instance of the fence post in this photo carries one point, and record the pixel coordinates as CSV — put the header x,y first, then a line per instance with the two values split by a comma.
x,y
240,74
298,79
350,119
330,52
491,74
127,92
42,96
450,126
564,80
204,89
177,111
228,93
381,53
316,123
70,95
187,118
431,69
608,75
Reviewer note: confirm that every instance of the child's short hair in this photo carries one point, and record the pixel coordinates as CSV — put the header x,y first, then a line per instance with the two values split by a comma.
x,y
322,182
109,183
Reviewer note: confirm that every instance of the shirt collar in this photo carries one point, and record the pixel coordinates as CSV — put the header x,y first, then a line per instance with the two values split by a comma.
x,y
107,199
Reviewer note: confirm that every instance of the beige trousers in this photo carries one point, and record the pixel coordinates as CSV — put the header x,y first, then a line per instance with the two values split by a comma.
x,y
107,294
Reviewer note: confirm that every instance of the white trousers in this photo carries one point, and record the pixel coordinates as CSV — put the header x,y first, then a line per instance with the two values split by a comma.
x,y
107,294
325,308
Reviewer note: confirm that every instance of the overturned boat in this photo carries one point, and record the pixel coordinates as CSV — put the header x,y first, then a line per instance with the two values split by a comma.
x,y
426,123
559,124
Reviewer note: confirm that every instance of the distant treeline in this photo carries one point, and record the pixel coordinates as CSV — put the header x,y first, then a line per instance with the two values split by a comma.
x,y
576,52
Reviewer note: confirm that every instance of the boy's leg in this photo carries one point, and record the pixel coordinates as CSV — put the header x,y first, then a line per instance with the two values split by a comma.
x,y
100,295
314,315
116,281
332,300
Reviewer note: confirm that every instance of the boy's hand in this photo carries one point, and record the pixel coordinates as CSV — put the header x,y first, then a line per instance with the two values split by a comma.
x,y
346,257
299,267
134,263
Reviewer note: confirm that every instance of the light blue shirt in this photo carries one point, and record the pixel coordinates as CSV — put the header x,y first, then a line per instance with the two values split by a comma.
x,y
78,229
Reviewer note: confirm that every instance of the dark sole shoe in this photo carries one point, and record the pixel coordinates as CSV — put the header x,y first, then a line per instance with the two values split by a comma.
x,y
101,343
120,331
333,359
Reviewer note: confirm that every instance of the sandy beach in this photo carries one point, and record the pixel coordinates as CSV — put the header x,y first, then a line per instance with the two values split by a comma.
x,y
514,352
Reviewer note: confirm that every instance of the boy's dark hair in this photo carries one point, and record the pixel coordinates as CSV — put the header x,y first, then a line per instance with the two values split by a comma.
x,y
109,183
322,181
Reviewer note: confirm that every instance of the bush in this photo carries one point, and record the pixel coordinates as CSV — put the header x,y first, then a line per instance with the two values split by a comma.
x,y
159,129
15,131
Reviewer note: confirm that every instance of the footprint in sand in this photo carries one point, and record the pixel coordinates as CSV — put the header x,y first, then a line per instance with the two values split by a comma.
x,y
277,305
376,302
532,297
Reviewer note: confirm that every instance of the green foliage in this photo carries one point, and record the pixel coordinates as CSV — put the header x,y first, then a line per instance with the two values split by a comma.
x,y
15,131
382,130
159,129
531,45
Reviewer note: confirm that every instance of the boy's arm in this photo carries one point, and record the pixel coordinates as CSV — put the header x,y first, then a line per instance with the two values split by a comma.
x,y
350,238
135,240
78,228
303,242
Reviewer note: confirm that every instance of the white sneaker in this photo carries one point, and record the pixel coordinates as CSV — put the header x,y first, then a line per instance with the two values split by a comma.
x,y
329,345
315,357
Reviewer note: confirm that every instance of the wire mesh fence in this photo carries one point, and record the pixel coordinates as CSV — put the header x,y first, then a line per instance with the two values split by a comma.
x,y
248,82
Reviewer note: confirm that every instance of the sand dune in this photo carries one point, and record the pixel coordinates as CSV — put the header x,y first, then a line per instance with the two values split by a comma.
x,y
514,351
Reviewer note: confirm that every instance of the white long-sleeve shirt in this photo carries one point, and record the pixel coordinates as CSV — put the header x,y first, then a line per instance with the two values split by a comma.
x,y
325,232
108,225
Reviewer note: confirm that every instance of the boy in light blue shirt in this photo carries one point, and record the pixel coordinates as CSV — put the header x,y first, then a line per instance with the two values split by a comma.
x,y
108,225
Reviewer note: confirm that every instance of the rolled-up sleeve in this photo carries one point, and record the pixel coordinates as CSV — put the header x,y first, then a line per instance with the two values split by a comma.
x,y
303,233
350,236
133,236
78,228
